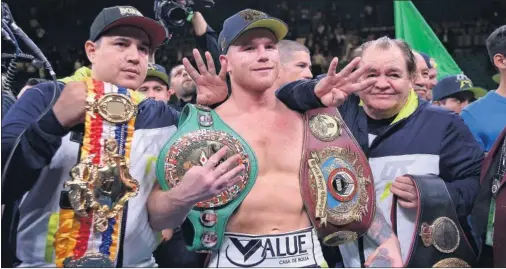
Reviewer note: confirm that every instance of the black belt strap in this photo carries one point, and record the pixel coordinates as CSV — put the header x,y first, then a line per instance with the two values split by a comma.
x,y
361,251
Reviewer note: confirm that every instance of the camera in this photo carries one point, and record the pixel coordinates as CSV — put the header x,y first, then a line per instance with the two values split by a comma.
x,y
174,13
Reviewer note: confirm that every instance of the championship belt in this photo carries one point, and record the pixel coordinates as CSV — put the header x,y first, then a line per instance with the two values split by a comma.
x,y
201,133
336,180
89,230
438,239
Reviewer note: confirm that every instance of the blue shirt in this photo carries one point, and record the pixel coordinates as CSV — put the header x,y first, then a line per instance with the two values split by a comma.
x,y
486,118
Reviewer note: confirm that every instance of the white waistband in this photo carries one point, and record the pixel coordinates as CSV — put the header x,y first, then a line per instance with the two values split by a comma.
x,y
294,249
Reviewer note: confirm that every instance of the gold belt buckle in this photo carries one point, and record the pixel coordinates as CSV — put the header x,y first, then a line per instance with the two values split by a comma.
x,y
113,107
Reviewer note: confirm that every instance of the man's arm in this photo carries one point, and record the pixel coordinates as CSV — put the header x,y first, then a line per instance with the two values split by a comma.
x,y
206,38
37,145
166,209
380,231
156,114
331,89
300,95
460,163
8,100
388,254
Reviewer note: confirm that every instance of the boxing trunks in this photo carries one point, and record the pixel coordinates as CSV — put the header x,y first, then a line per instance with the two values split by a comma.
x,y
438,239
336,181
292,250
201,133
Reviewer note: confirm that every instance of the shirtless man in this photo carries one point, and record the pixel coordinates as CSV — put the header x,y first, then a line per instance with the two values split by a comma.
x,y
274,207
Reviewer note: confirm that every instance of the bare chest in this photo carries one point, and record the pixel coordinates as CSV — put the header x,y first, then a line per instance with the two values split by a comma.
x,y
276,139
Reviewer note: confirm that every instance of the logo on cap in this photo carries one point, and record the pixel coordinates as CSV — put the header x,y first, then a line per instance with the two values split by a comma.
x,y
433,63
250,15
223,43
129,11
464,80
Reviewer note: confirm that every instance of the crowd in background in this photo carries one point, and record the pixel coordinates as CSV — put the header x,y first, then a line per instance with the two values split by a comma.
x,y
327,28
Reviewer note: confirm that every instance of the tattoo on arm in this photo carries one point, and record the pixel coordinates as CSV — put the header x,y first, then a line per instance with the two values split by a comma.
x,y
382,259
380,231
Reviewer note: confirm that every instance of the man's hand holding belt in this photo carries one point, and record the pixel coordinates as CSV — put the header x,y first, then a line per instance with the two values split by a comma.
x,y
70,108
404,188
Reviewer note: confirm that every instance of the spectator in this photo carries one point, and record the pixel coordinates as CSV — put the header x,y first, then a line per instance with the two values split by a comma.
x,y
422,78
156,84
487,117
455,92
183,86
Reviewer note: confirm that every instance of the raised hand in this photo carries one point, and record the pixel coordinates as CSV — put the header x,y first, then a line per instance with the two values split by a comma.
x,y
211,87
335,88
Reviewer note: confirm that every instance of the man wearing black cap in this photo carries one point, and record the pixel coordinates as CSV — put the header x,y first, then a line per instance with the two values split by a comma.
x,y
156,84
121,39
271,228
455,92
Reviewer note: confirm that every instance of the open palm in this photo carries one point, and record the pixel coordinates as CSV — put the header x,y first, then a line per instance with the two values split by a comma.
x,y
335,88
211,87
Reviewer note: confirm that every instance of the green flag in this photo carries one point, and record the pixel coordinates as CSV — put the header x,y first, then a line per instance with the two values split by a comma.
x,y
412,28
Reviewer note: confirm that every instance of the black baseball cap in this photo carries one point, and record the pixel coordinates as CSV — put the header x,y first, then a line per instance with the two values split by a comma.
x,y
158,71
111,17
248,19
453,84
